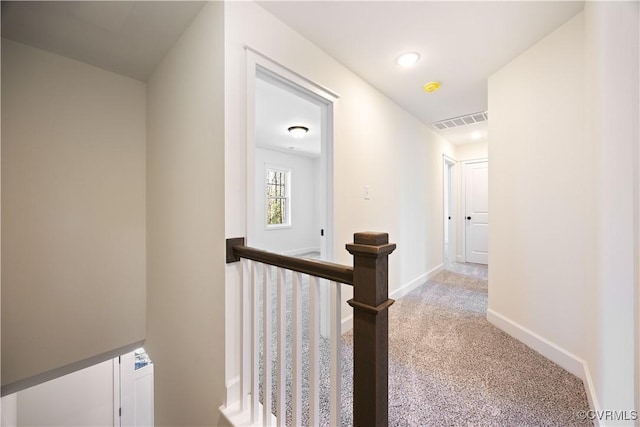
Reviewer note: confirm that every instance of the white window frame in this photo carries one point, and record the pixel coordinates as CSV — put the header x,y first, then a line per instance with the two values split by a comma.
x,y
288,181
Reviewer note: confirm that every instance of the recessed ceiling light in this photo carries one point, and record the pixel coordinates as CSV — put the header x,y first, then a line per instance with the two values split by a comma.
x,y
408,59
298,131
476,136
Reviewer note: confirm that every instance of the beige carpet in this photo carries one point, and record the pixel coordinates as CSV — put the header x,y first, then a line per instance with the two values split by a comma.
x,y
449,367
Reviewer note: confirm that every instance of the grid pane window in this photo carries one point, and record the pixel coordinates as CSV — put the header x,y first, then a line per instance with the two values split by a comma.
x,y
277,197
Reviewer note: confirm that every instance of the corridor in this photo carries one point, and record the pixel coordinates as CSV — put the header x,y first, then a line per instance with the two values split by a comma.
x,y
448,366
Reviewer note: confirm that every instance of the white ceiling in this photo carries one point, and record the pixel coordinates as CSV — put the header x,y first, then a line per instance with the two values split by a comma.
x,y
278,109
468,134
461,44
126,37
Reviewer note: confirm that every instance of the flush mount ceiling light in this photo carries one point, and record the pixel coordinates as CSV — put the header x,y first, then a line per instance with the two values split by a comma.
x,y
476,135
431,87
408,59
298,131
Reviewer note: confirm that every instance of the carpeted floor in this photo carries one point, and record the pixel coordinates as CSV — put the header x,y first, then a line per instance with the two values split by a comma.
x,y
449,367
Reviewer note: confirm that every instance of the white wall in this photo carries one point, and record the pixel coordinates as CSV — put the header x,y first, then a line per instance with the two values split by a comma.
x,y
542,247
185,224
564,130
472,151
304,234
73,211
612,103
376,143
83,398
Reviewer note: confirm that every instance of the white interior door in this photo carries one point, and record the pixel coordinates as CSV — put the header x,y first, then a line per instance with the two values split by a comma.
x,y
477,212
136,390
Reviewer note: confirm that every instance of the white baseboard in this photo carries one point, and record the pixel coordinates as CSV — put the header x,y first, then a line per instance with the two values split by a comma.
x,y
347,322
238,418
551,351
420,280
567,360
302,251
233,390
592,397
459,258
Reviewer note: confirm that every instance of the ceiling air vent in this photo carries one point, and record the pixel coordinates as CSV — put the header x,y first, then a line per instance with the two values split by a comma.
x,y
455,122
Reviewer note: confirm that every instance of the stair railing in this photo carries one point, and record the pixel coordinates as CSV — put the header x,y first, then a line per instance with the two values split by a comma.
x,y
370,303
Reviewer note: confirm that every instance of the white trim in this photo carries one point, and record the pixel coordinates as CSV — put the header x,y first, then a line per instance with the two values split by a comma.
x,y
293,76
592,397
250,140
258,65
449,159
261,66
477,160
302,251
236,418
558,355
347,322
277,226
233,389
417,282
448,165
551,351
462,257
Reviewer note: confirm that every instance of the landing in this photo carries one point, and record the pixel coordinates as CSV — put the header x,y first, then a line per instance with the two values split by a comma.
x,y
449,366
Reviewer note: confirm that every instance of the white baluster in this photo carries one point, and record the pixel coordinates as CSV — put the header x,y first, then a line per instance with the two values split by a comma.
x,y
336,355
245,334
297,349
314,352
282,355
266,345
254,345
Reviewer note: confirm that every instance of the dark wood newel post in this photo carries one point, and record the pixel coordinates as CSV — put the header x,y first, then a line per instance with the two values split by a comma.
x,y
370,328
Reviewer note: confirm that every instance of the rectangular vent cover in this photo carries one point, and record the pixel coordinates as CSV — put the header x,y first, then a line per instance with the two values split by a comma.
x,y
461,121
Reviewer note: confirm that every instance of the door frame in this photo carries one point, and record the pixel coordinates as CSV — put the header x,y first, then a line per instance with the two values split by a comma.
x,y
260,66
463,202
449,167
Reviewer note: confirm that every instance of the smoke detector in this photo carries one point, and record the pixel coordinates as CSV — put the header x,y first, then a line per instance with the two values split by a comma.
x,y
431,87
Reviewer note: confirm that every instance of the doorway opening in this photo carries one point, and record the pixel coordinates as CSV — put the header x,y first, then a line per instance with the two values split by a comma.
x,y
289,164
113,392
449,210
289,178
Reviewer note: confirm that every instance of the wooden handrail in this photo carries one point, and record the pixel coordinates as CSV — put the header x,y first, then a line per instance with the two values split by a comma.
x,y
325,270
369,278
